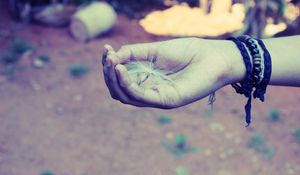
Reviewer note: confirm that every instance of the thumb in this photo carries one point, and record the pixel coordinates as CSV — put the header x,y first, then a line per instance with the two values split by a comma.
x,y
137,52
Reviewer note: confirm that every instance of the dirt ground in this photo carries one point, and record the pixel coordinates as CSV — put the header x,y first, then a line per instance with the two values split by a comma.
x,y
54,124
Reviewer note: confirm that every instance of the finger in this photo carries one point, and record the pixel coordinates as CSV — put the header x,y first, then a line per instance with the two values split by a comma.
x,y
113,82
137,52
106,49
116,88
106,70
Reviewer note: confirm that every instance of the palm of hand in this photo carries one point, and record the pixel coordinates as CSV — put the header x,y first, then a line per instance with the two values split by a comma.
x,y
169,65
178,81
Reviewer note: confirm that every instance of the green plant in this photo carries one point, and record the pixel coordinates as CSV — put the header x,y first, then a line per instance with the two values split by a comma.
x,y
8,59
78,70
47,173
257,142
181,171
163,120
269,153
297,135
179,146
19,46
275,115
10,70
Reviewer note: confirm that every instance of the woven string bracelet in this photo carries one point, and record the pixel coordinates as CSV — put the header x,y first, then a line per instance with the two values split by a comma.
x,y
257,75
246,85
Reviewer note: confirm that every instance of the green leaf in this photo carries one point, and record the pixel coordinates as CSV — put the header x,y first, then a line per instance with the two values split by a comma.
x,y
163,120
78,70
181,171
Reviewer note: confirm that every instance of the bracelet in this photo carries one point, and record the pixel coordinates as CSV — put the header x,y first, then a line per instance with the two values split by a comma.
x,y
261,90
246,86
258,72
257,60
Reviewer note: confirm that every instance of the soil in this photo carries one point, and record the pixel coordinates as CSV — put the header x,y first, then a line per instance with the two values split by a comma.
x,y
54,124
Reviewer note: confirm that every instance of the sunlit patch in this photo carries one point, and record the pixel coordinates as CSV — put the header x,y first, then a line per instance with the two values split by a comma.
x,y
271,29
182,20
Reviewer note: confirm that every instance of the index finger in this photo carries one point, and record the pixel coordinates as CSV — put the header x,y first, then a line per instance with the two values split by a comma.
x,y
137,52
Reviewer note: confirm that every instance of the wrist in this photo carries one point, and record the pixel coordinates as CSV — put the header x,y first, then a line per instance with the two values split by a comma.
x,y
235,70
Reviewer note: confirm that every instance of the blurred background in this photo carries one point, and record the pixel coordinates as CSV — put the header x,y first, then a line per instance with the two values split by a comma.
x,y
57,117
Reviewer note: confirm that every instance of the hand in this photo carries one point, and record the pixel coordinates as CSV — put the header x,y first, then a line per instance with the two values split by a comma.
x,y
198,68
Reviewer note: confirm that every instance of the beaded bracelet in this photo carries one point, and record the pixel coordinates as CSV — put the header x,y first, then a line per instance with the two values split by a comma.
x,y
261,90
246,86
257,75
256,58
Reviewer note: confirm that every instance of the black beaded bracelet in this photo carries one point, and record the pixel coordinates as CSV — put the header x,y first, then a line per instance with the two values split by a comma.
x,y
256,58
246,85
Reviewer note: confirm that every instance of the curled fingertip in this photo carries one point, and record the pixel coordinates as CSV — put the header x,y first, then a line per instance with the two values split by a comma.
x,y
108,47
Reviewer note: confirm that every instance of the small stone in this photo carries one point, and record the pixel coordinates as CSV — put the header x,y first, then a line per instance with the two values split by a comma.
x,y
228,135
291,171
38,63
230,152
35,85
60,110
216,127
78,98
223,155
224,172
169,135
237,141
207,152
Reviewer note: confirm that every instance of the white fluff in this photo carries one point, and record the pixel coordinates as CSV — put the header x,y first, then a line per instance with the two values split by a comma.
x,y
145,70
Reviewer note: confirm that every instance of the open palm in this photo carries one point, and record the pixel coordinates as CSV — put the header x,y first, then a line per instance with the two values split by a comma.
x,y
191,73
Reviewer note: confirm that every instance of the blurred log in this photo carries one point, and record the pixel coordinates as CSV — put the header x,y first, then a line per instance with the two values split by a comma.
x,y
92,20
56,15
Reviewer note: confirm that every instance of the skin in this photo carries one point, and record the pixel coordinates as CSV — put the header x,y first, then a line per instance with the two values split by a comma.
x,y
199,68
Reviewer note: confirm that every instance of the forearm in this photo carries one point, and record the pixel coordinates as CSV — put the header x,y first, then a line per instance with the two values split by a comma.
x,y
285,53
